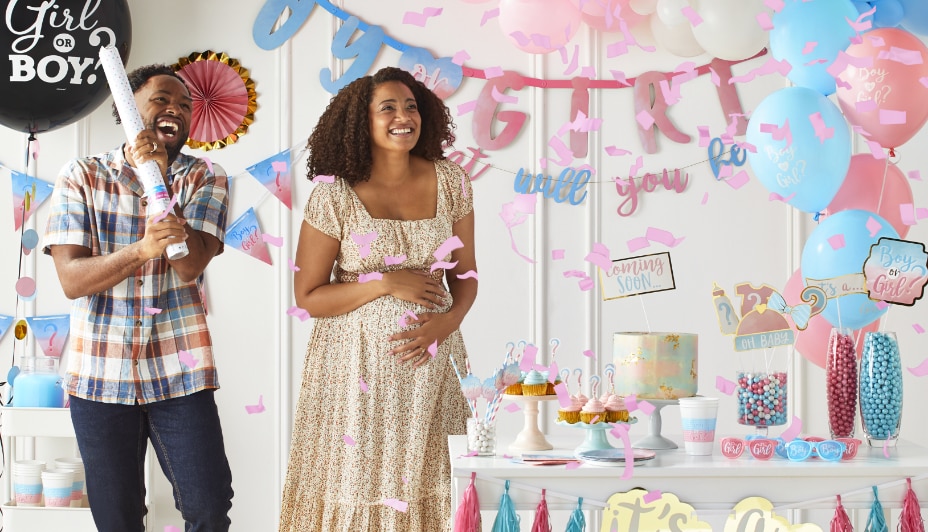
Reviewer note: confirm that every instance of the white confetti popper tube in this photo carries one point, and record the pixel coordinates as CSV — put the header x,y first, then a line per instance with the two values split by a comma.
x,y
148,171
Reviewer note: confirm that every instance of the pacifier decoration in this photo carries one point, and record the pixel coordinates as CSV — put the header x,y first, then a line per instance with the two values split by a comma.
x,y
762,324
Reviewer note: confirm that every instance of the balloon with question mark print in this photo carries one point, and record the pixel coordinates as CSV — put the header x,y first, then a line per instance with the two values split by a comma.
x,y
51,77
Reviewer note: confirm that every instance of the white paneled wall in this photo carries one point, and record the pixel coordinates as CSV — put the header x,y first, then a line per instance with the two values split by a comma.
x,y
729,236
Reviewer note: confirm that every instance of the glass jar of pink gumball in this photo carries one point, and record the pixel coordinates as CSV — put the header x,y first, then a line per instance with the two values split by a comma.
x,y
841,382
762,398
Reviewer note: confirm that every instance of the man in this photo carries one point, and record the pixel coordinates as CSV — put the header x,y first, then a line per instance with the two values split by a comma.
x,y
141,361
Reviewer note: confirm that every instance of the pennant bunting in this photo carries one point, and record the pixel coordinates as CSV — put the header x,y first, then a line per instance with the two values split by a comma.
x,y
38,192
274,174
50,332
245,235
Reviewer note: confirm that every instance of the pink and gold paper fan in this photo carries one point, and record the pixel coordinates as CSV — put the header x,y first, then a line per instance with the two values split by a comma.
x,y
224,98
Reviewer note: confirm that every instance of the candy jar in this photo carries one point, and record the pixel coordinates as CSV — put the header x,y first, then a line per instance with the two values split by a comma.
x,y
841,382
880,388
761,393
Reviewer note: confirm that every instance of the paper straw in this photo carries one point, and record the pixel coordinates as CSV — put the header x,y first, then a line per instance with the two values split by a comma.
x,y
471,404
148,171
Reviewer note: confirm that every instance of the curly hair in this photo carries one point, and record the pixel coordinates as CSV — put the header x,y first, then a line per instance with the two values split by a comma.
x,y
141,75
340,143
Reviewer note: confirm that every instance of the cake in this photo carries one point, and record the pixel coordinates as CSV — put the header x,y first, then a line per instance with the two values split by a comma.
x,y
535,383
655,365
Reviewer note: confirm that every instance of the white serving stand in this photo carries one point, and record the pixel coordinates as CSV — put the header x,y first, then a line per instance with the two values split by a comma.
x,y
654,440
530,438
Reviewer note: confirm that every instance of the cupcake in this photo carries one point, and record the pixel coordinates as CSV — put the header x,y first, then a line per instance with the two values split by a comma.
x,y
593,411
534,384
570,414
615,409
514,377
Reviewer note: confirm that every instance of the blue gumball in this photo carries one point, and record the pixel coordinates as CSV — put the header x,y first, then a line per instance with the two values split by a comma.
x,y
823,22
833,258
915,17
808,166
889,14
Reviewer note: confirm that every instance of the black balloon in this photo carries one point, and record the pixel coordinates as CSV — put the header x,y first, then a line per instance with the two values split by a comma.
x,y
50,73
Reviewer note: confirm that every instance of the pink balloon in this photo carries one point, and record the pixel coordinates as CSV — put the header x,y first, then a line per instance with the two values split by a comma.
x,y
600,14
539,26
886,98
812,343
864,188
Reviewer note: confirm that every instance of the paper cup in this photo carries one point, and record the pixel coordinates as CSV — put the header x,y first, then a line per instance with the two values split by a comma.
x,y
27,489
698,415
76,465
56,486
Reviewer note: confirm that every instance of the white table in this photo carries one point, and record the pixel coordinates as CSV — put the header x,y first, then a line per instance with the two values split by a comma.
x,y
706,482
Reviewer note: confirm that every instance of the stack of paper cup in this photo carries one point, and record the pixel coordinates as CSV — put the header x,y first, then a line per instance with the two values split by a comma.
x,y
27,482
77,488
57,485
698,415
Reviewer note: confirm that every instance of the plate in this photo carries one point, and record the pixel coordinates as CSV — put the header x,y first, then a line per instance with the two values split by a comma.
x,y
614,457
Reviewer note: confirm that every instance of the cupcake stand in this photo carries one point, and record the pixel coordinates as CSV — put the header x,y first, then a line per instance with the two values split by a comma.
x,y
595,439
530,438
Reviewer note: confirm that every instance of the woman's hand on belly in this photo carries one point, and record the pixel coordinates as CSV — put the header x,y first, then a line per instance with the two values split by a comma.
x,y
429,328
416,286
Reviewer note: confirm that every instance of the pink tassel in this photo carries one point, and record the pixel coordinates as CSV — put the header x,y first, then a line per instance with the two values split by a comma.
x,y
910,520
467,518
542,519
841,522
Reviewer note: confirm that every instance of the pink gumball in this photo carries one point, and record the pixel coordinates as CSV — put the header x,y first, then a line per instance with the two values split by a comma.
x,y
865,188
886,98
539,26
812,343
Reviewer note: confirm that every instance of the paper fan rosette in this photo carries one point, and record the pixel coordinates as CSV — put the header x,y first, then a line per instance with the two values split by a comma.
x,y
224,98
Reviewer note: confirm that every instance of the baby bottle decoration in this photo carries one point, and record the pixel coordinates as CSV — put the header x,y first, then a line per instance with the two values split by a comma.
x,y
880,388
841,383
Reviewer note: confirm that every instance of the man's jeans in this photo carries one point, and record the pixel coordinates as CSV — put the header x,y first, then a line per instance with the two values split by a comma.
x,y
187,439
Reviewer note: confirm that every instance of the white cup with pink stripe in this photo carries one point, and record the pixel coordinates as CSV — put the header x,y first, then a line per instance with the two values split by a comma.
x,y
698,415
75,465
27,482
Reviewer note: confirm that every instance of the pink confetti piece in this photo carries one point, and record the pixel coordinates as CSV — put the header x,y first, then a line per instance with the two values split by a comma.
x,y
620,77
918,328
467,107
405,480
279,166
503,98
890,116
901,55
167,210
923,81
671,95
402,321
772,66
704,137
724,385
920,370
873,226
292,265
836,241
589,353
209,163
662,237
886,448
572,465
881,305
396,504
512,407
645,120
809,46
276,241
368,277
631,402
324,179
528,358
437,265
639,163
763,20
838,66
433,348
705,199
489,15
915,175
493,72
298,312
557,254
866,106
349,441
446,247
460,57
563,396
574,61
468,455
152,310
614,151
651,496
469,274
419,19
258,408
776,197
170,528
775,5
637,243
921,213
187,359
725,172
586,284
876,150
821,131
778,132
394,260
714,77
738,180
795,428
601,261
595,419
907,213
645,407
362,384
364,242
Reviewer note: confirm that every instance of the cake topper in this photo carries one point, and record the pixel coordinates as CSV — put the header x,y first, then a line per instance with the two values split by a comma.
x,y
632,276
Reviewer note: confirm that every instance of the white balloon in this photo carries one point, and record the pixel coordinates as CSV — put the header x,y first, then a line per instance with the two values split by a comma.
x,y
729,28
677,39
671,11
643,7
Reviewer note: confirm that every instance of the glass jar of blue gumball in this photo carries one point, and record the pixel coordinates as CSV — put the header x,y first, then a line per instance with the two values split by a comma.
x,y
880,387
762,399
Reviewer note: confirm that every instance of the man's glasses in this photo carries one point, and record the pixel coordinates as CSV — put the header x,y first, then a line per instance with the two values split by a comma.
x,y
798,450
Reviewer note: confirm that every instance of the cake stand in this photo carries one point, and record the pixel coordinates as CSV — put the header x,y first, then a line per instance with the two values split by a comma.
x,y
530,438
654,440
595,434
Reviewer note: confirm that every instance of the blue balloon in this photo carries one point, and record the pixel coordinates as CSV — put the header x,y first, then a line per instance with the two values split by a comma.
x,y
889,13
823,22
837,248
916,16
808,171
